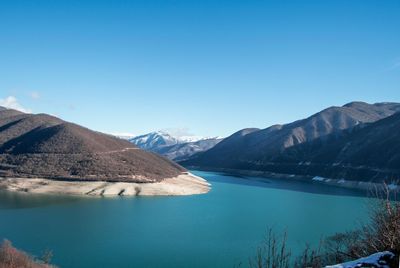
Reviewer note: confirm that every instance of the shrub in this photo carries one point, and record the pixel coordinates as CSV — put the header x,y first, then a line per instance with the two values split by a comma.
x,y
10,257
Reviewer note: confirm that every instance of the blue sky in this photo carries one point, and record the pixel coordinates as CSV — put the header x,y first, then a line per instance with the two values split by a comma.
x,y
207,67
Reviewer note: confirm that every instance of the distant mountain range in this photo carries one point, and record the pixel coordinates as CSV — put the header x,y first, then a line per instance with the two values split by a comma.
x,y
40,145
174,148
357,141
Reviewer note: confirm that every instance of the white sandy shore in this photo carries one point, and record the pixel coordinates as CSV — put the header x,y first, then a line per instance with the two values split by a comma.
x,y
184,184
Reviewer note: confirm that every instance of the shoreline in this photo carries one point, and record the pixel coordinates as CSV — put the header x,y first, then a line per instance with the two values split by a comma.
x,y
343,183
183,184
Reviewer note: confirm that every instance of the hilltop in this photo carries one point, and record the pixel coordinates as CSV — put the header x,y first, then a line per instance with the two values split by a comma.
x,y
46,147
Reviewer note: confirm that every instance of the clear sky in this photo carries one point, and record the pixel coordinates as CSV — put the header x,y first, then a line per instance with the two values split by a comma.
x,y
210,67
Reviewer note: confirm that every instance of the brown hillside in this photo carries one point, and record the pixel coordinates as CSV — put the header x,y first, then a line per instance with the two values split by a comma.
x,y
45,146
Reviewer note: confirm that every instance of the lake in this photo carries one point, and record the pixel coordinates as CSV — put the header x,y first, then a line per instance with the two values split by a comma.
x,y
220,229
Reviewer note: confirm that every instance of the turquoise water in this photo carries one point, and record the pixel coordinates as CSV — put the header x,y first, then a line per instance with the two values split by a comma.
x,y
218,229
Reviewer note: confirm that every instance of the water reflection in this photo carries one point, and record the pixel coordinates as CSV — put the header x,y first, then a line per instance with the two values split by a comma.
x,y
17,200
284,184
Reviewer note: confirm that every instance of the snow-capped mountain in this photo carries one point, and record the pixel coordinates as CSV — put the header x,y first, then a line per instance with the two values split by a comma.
x,y
184,139
154,140
174,148
184,151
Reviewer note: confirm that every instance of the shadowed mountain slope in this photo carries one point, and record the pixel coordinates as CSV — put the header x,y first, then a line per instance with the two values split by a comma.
x,y
269,149
370,151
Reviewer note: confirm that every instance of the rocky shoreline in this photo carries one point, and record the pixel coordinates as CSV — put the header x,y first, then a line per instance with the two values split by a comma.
x,y
183,184
349,184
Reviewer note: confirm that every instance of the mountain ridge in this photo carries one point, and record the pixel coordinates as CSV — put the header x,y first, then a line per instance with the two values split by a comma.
x,y
174,148
41,145
261,149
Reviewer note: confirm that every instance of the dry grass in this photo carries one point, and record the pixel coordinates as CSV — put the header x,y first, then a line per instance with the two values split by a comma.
x,y
10,257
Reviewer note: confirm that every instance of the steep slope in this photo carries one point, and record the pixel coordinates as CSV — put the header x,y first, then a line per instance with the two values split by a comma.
x,y
261,149
14,124
174,148
371,152
183,151
45,146
154,140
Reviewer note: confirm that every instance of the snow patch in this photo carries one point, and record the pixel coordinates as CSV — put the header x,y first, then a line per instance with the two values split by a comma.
x,y
392,186
379,259
317,178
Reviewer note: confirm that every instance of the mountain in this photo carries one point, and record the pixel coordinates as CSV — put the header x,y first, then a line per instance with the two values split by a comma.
x,y
270,149
154,140
368,151
174,148
183,151
40,145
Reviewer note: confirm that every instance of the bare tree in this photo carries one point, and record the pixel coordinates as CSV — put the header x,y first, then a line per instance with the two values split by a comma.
x,y
380,233
273,253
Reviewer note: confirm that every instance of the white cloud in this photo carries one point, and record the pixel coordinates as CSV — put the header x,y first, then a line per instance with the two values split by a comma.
x,y
11,102
34,95
123,135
